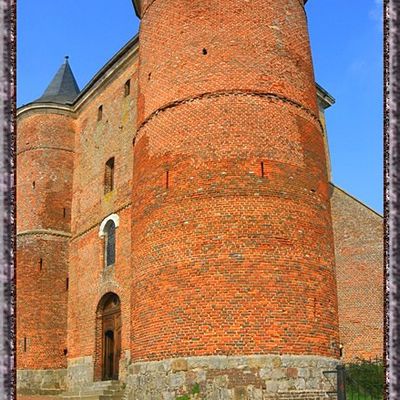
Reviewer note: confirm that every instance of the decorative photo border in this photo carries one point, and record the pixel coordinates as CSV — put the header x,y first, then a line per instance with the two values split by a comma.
x,y
392,196
7,196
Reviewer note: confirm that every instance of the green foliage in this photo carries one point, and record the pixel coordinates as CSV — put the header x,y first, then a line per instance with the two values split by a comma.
x,y
195,390
365,379
184,397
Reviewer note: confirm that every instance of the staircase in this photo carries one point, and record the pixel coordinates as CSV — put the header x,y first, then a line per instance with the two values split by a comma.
x,y
102,390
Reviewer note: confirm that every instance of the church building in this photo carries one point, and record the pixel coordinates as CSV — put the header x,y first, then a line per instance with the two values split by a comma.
x,y
178,232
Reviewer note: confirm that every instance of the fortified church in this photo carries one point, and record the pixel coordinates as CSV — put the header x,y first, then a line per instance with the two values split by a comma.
x,y
178,232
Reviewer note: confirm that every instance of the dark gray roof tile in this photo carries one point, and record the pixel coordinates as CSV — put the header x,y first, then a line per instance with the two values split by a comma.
x,y
63,89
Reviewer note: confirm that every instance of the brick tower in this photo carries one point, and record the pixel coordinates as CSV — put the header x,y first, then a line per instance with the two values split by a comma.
x,y
234,290
45,144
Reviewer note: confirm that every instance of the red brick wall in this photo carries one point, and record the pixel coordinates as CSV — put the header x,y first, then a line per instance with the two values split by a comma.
x,y
226,261
44,156
96,142
41,302
45,145
259,47
359,264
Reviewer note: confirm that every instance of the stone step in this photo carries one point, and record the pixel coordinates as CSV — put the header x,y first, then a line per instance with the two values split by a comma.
x,y
90,392
106,383
101,390
49,392
116,396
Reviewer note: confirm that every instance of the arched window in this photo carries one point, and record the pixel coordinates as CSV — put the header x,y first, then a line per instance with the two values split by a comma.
x,y
109,245
107,232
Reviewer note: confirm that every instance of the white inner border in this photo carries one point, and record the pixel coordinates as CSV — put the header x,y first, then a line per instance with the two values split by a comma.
x,y
112,217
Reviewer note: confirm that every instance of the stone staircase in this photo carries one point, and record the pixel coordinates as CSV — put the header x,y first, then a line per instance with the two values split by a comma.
x,y
102,390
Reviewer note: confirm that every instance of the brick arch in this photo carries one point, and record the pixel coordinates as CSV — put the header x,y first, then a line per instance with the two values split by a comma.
x,y
98,356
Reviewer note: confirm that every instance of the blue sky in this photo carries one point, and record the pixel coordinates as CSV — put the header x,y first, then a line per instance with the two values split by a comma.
x,y
346,41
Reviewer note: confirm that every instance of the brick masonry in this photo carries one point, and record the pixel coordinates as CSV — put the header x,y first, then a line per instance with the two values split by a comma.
x,y
45,146
358,234
230,203
224,251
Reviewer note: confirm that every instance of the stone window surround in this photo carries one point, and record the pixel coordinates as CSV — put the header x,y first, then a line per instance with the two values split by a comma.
x,y
111,217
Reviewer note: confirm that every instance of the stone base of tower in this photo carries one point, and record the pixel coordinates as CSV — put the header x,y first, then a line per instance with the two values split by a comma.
x,y
228,377
81,371
41,382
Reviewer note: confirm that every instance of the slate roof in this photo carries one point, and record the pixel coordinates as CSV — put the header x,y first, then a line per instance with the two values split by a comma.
x,y
63,89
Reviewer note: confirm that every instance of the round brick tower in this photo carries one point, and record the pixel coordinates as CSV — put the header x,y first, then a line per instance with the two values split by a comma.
x,y
234,284
45,152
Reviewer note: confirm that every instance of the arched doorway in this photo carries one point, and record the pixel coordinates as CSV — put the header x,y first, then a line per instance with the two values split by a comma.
x,y
109,336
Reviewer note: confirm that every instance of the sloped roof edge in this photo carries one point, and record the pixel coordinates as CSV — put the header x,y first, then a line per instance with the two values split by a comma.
x,y
131,43
355,198
120,54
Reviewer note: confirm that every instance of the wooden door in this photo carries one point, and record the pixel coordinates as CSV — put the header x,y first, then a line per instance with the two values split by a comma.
x,y
111,340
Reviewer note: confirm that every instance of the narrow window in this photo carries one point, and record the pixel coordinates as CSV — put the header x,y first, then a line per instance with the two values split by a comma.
x,y
262,169
315,307
127,88
65,352
167,179
33,185
40,264
24,344
100,113
64,212
109,176
109,247
67,284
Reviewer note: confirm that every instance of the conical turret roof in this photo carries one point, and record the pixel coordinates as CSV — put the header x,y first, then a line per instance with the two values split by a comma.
x,y
63,88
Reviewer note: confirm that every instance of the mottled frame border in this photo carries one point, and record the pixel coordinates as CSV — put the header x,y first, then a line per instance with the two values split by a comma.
x,y
392,196
7,198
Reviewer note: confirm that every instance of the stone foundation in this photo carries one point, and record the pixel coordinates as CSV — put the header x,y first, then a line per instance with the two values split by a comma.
x,y
41,382
237,378
80,372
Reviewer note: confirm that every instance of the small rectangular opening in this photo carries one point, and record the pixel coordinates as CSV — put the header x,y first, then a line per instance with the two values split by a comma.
x,y
100,113
40,264
109,176
24,344
33,185
67,284
127,88
64,212
167,179
262,169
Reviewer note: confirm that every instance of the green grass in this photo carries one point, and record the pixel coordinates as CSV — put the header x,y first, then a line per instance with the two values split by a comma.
x,y
355,396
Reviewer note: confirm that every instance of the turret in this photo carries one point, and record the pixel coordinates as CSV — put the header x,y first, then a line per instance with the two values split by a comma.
x,y
234,288
45,154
